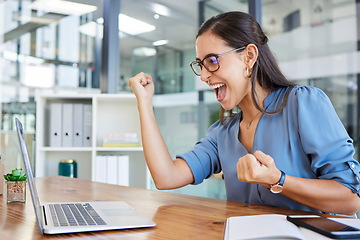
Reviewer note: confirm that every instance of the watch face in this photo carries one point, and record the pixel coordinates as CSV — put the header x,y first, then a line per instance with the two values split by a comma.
x,y
276,188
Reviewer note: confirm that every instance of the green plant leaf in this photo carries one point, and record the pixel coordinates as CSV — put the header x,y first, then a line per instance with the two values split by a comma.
x,y
23,178
16,172
16,175
13,178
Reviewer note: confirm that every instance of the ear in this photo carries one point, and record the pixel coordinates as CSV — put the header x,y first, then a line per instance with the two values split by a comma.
x,y
251,55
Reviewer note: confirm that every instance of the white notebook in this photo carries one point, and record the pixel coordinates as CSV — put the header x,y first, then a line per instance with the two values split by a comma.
x,y
273,226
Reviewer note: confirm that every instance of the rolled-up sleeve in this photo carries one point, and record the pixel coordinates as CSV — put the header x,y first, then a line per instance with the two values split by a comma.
x,y
203,158
324,138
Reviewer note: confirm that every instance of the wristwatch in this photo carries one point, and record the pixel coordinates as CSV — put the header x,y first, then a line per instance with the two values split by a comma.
x,y
278,187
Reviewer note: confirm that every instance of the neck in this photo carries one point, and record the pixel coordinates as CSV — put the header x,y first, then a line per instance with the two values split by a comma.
x,y
249,122
247,105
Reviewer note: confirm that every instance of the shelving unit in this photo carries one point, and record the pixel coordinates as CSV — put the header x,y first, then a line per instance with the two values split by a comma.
x,y
111,113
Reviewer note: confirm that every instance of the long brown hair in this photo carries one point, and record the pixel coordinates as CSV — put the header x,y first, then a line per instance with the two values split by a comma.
x,y
239,29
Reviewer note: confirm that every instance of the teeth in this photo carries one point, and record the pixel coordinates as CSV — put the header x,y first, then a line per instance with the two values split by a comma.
x,y
217,85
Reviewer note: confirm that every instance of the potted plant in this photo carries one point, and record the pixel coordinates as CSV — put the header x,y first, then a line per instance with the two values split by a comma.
x,y
16,185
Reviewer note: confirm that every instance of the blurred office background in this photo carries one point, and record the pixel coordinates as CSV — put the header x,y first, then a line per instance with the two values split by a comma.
x,y
55,46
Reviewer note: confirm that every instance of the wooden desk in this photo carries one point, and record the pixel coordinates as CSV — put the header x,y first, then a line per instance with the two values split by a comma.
x,y
177,216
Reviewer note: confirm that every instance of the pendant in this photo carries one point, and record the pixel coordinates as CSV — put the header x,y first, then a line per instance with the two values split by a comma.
x,y
248,125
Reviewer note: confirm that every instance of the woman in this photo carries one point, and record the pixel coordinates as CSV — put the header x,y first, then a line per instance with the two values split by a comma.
x,y
286,148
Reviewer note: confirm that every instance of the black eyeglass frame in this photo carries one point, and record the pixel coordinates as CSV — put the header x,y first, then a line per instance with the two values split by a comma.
x,y
201,63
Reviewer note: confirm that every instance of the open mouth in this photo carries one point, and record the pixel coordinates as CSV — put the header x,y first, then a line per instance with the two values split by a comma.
x,y
220,90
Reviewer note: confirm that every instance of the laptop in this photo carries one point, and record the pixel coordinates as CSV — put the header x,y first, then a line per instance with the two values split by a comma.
x,y
66,217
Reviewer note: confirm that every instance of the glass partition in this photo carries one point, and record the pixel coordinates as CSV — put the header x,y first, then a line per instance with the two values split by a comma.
x,y
316,44
166,52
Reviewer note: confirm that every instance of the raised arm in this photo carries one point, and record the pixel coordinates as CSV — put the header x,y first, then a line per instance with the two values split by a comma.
x,y
166,172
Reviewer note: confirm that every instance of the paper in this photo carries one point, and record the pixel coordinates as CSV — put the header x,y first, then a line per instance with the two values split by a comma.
x,y
273,226
268,226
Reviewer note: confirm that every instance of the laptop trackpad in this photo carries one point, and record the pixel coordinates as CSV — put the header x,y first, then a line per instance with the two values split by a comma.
x,y
119,212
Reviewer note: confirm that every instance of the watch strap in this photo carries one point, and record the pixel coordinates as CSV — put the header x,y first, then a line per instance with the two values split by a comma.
x,y
278,187
282,178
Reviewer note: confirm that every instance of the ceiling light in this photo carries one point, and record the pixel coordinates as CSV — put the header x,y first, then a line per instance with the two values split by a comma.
x,y
90,30
133,26
62,7
160,42
156,16
144,51
127,25
161,9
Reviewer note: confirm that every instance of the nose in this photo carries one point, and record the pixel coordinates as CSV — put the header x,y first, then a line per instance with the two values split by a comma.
x,y
204,75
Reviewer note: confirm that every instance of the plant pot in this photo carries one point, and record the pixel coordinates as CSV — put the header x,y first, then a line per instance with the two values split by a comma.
x,y
16,191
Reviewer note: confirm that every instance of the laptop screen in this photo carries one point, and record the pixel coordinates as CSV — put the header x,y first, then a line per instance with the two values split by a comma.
x,y
30,177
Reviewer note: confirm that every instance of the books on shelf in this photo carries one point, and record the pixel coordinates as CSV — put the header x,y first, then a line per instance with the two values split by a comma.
x,y
121,144
273,226
70,125
113,169
120,140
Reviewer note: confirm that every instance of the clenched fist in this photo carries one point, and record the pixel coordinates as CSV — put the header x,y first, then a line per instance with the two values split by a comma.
x,y
258,168
142,86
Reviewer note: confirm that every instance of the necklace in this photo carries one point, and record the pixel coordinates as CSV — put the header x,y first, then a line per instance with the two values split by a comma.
x,y
249,123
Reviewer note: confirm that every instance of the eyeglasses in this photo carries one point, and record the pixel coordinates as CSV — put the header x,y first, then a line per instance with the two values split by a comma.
x,y
210,63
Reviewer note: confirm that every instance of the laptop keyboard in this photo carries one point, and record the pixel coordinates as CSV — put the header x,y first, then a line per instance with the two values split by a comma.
x,y
74,214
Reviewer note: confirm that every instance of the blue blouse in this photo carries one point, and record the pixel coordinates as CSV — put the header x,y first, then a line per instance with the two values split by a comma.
x,y
306,139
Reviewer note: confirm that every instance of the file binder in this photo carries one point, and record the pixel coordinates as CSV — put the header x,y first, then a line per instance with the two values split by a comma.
x,y
67,125
55,125
112,169
123,170
87,136
101,168
78,121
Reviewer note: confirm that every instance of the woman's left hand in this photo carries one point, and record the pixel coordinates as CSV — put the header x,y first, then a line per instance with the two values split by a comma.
x,y
322,194
258,168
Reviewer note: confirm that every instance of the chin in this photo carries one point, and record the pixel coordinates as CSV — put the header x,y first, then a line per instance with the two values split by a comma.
x,y
227,107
